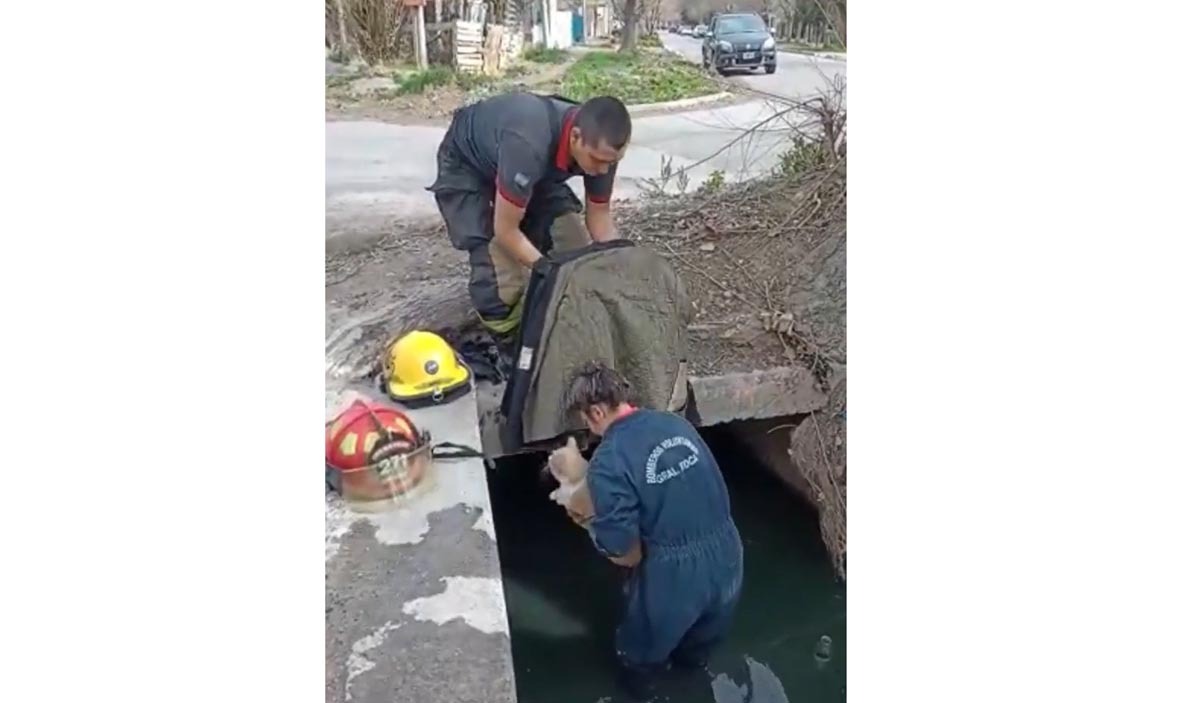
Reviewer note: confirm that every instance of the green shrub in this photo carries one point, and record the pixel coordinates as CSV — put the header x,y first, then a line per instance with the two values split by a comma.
x,y
714,182
806,154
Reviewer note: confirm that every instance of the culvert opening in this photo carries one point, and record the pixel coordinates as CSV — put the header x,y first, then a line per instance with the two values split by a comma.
x,y
564,599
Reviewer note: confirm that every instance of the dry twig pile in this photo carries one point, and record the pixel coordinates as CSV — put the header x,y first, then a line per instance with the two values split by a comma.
x,y
764,260
765,267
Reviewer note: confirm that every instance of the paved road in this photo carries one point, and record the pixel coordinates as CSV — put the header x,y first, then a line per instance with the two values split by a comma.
x,y
798,75
376,173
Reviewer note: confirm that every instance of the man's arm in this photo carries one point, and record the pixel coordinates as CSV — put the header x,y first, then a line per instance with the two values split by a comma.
x,y
507,225
615,523
598,216
519,168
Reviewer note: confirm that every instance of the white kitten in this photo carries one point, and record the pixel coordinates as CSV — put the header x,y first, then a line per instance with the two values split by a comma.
x,y
569,468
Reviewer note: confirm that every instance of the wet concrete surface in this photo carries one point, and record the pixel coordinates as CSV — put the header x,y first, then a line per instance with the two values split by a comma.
x,y
414,603
376,651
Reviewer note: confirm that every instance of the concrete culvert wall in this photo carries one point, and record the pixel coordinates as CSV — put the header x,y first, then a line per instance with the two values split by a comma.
x,y
808,452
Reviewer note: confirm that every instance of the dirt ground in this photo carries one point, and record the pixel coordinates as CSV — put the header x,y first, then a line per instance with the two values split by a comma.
x,y
762,298
434,105
410,253
759,286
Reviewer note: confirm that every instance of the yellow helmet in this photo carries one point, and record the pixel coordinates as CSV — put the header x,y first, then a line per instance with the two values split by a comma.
x,y
421,366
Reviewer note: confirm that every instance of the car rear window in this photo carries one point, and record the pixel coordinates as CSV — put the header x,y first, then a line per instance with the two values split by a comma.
x,y
740,23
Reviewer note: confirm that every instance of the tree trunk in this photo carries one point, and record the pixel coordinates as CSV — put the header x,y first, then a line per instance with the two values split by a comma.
x,y
629,31
343,45
835,15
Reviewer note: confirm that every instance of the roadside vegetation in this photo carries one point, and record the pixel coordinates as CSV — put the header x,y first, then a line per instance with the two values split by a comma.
x,y
419,81
650,40
636,78
398,92
541,54
803,48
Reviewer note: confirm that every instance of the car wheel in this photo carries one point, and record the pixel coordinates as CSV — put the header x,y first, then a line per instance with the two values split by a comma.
x,y
770,69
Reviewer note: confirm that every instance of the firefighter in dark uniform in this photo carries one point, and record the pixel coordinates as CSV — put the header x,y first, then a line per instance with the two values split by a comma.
x,y
658,506
501,188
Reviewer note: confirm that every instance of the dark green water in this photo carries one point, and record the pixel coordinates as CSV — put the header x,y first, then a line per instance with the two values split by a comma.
x,y
564,599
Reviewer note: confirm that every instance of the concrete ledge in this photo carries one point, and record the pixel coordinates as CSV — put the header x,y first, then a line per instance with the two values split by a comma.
x,y
777,392
414,601
746,395
675,104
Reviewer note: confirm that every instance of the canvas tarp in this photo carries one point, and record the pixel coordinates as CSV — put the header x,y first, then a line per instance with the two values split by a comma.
x,y
615,302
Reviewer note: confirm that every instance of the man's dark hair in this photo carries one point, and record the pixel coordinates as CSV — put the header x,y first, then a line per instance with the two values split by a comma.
x,y
604,119
596,384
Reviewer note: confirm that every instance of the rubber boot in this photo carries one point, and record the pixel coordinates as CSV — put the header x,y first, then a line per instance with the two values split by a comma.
x,y
503,352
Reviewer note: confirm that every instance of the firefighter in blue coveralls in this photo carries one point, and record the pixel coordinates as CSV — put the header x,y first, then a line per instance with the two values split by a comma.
x,y
660,507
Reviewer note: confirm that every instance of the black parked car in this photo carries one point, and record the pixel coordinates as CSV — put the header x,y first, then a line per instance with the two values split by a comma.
x,y
740,41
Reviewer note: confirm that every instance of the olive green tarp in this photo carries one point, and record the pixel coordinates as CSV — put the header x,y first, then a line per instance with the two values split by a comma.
x,y
623,305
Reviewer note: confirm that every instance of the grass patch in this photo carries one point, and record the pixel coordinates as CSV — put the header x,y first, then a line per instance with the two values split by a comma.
x,y
473,81
801,48
420,81
650,41
541,54
636,78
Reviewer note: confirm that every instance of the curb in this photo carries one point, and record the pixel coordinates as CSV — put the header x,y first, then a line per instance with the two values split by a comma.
x,y
685,102
676,53
827,55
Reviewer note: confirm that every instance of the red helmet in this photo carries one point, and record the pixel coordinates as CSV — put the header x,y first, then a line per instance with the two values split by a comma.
x,y
355,432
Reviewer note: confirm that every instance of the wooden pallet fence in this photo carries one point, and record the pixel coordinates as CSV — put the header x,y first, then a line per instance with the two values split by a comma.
x,y
468,46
